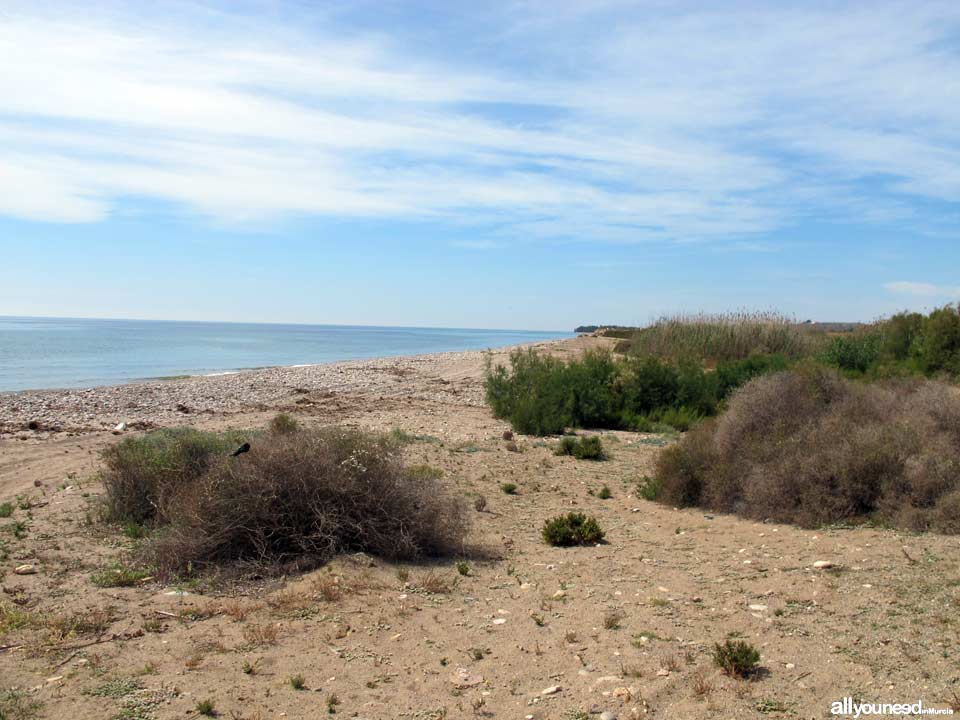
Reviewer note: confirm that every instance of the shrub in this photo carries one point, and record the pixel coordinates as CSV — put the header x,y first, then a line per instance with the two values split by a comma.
x,y
855,353
298,499
283,423
585,448
6,510
141,473
809,447
572,529
604,493
649,488
937,345
508,488
736,658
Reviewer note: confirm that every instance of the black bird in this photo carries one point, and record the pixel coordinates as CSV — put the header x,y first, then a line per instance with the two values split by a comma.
x,y
240,450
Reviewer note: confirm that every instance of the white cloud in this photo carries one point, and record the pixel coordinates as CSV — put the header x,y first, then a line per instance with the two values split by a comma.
x,y
922,289
631,124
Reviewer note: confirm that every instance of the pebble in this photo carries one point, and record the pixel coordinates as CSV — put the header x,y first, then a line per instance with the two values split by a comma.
x,y
25,570
823,564
463,678
552,690
500,621
559,594
608,715
758,608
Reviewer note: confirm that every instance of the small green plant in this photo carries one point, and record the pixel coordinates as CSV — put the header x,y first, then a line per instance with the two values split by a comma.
x,y
649,488
6,510
206,708
134,531
297,682
283,423
509,488
249,668
572,529
736,658
17,705
612,620
119,576
463,567
604,493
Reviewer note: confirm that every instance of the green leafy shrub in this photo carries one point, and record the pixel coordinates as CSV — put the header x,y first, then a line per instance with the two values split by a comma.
x,y
140,472
854,353
298,499
6,510
508,488
572,529
649,488
604,493
736,658
584,448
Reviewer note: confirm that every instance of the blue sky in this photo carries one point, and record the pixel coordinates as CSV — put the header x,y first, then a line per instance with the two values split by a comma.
x,y
512,164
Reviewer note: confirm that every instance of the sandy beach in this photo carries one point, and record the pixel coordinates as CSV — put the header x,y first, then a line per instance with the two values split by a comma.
x,y
522,630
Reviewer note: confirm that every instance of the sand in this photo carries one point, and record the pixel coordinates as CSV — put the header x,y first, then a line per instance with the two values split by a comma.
x,y
625,628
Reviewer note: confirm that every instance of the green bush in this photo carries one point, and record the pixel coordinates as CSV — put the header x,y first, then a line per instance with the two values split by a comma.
x,y
649,488
937,346
572,529
142,471
736,658
585,448
854,353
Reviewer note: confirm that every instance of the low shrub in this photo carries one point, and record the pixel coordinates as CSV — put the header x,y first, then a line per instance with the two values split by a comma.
x,y
810,447
572,529
283,423
736,658
583,448
540,395
508,488
298,499
142,472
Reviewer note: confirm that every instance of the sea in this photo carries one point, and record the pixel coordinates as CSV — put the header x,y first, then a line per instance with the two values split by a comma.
x,y
45,352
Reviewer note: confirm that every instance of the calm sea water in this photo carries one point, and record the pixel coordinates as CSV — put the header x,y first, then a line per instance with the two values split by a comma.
x,y
67,353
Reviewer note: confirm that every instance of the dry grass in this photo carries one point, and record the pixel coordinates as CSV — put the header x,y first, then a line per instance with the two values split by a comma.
x,y
434,582
811,448
259,635
328,587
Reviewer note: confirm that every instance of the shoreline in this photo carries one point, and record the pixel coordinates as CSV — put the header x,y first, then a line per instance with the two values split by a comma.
x,y
452,377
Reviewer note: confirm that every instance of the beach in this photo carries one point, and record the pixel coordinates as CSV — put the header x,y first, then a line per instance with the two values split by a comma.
x,y
514,628
451,377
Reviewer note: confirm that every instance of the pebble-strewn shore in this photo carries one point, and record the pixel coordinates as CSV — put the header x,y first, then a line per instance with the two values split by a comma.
x,y
167,402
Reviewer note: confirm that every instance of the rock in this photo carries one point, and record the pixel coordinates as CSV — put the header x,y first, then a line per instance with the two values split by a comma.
x,y
823,564
623,693
552,690
663,672
463,678
500,621
608,715
790,666
758,608
25,570
559,594
119,427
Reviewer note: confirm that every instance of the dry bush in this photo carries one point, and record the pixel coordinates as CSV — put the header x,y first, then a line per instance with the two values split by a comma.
x,y
328,587
261,634
434,582
811,448
296,500
237,608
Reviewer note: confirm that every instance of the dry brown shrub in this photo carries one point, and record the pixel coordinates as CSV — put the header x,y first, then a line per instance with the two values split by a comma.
x,y
434,582
295,501
328,587
811,448
237,608
258,635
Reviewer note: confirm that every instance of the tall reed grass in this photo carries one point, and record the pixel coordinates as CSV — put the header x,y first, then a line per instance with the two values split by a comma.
x,y
726,336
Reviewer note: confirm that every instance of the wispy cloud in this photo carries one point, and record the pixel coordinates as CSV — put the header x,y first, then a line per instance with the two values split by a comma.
x,y
599,121
922,289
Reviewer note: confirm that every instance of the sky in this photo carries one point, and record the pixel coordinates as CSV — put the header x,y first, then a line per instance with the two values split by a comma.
x,y
507,164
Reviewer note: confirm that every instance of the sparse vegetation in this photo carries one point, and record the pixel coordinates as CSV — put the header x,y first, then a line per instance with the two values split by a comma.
x,y
736,658
206,708
298,682
508,488
572,529
119,576
6,510
299,498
